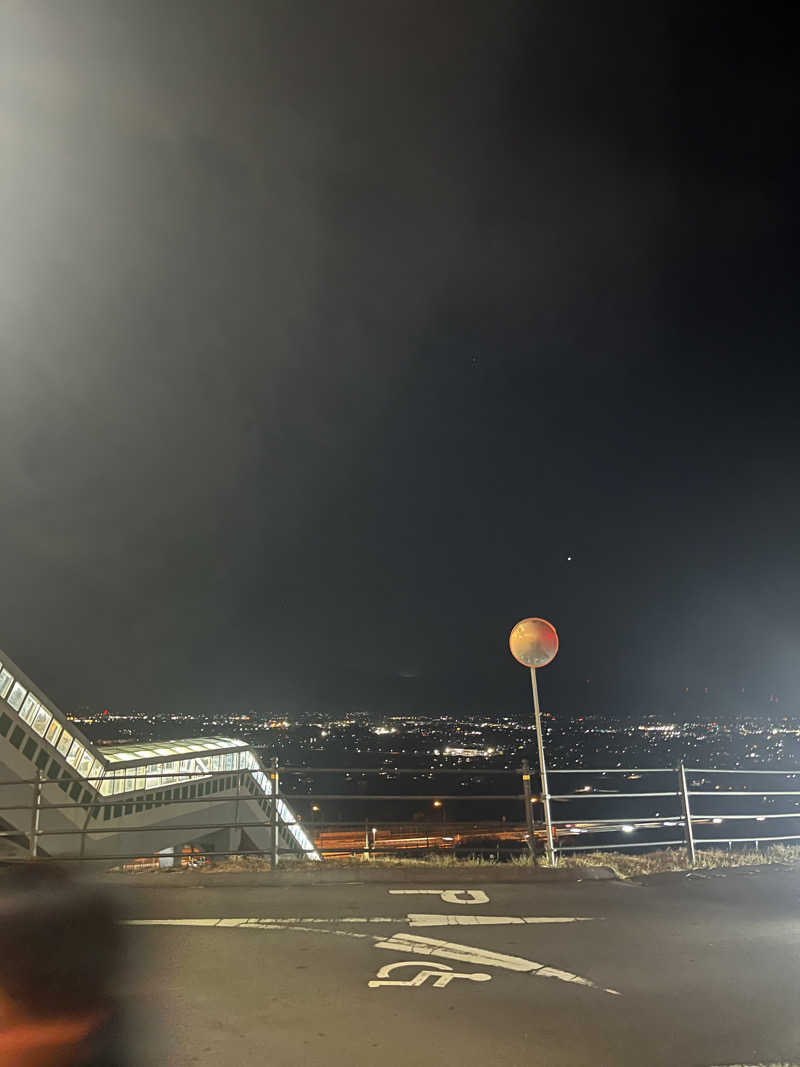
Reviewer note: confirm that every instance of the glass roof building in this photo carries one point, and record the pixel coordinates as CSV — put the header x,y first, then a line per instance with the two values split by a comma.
x,y
115,801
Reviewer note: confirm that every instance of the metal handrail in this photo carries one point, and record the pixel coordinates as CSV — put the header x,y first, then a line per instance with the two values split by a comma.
x,y
744,793
425,772
612,770
612,796
623,844
737,770
177,780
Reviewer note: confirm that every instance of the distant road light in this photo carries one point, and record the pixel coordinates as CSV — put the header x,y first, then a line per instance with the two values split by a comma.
x,y
627,829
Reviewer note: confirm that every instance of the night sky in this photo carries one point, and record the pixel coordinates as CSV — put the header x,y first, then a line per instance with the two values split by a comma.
x,y
330,331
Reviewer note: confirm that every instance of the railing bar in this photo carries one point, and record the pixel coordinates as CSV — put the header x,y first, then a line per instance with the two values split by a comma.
x,y
612,770
623,844
760,837
728,818
264,855
92,831
127,798
744,793
737,770
611,796
470,771
621,821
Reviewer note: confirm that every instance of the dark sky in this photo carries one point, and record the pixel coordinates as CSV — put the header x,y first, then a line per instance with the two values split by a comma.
x,y
328,331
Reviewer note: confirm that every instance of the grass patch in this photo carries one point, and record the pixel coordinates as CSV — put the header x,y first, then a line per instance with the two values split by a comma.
x,y
244,863
635,865
624,865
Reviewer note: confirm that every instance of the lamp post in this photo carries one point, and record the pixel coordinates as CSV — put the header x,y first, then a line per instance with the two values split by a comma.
x,y
534,643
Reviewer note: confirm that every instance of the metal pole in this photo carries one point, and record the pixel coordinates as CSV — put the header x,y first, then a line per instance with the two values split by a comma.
x,y
528,801
37,804
236,816
687,814
83,830
275,788
551,854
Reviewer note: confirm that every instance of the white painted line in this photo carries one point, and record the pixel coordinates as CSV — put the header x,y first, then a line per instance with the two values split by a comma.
x,y
428,946
273,924
409,944
416,892
411,920
449,896
490,920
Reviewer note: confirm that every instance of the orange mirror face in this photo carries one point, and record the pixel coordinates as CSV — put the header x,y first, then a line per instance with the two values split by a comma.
x,y
533,642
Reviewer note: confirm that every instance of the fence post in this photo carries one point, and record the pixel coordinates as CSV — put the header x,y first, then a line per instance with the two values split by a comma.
x,y
236,816
687,814
84,829
35,809
275,790
528,801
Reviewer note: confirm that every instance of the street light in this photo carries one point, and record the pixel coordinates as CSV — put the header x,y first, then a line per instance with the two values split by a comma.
x,y
534,643
439,804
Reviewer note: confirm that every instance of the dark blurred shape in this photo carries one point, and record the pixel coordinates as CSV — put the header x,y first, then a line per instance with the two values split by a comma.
x,y
59,948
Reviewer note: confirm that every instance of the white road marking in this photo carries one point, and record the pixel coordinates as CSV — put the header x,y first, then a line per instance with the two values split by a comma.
x,y
413,920
272,924
428,946
449,896
404,942
440,972
492,920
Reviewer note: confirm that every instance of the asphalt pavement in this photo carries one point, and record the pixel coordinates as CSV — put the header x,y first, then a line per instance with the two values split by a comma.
x,y
701,970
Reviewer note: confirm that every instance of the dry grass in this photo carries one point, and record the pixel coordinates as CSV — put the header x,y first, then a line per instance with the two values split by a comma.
x,y
244,863
624,865
631,865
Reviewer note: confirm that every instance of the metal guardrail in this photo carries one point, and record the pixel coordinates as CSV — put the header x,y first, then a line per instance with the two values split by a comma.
x,y
523,835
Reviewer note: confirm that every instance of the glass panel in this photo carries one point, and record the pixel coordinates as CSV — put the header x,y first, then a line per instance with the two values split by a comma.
x,y
29,706
95,771
74,753
53,730
106,786
42,721
16,696
228,761
138,784
87,759
215,761
5,682
64,742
